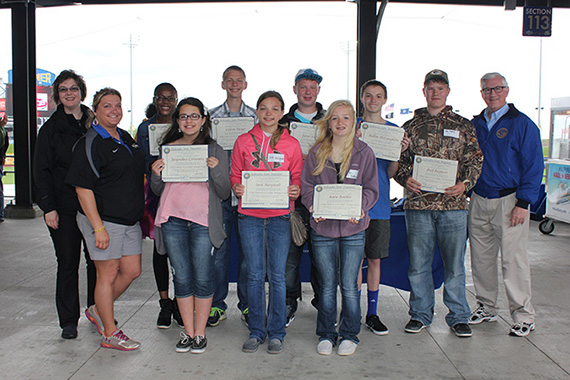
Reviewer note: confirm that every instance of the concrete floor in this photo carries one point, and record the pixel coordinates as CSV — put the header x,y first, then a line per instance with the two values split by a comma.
x,y
32,347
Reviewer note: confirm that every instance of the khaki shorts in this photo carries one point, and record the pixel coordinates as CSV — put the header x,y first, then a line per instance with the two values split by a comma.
x,y
123,240
377,244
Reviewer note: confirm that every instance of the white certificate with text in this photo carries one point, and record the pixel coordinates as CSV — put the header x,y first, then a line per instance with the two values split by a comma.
x,y
185,163
265,189
434,174
337,201
385,140
155,132
305,133
226,130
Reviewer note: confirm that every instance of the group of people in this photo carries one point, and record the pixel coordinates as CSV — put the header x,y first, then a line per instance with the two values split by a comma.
x,y
90,183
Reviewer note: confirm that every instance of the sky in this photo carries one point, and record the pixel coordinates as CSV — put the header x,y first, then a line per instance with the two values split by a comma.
x,y
190,45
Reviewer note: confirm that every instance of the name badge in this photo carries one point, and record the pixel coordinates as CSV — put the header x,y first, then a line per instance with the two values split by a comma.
x,y
276,157
451,133
352,174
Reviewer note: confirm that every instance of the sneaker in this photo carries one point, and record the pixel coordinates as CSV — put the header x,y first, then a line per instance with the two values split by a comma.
x,y
275,346
414,326
462,330
346,347
375,325
245,316
92,315
185,343
216,315
324,347
176,314
290,315
481,315
521,329
251,345
165,314
119,341
199,344
69,332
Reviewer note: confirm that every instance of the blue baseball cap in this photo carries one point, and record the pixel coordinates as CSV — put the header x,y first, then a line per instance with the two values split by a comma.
x,y
308,74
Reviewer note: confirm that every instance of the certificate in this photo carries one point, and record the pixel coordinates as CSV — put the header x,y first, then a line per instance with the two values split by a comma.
x,y
155,132
265,189
337,201
185,163
225,130
434,174
385,140
305,133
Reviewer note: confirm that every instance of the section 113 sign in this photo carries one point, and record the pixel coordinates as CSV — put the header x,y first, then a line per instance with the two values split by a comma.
x,y
537,21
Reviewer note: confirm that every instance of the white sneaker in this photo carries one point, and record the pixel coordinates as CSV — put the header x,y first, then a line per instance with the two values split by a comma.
x,y
324,347
347,347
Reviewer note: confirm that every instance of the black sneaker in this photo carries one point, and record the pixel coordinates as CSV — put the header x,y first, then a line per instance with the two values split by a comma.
x,y
290,315
375,325
69,332
176,313
185,343
165,315
462,330
414,326
199,344
216,315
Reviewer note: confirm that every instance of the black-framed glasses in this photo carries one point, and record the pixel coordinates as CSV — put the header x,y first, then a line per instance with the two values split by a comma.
x,y
170,99
497,89
192,116
65,89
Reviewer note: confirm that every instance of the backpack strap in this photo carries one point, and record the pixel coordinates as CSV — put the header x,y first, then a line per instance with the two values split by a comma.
x,y
89,137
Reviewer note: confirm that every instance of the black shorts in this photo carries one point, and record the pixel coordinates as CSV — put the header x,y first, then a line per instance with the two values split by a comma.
x,y
377,239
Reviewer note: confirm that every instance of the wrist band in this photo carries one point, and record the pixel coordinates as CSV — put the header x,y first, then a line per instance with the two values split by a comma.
x,y
99,230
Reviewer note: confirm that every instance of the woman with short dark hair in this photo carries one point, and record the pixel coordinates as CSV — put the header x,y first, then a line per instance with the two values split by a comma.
x,y
58,200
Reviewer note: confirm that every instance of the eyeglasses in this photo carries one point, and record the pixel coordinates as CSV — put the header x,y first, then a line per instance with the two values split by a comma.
x,y
170,99
65,89
497,89
192,116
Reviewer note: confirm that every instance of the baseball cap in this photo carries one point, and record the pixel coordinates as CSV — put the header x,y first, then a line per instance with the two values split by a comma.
x,y
308,74
437,75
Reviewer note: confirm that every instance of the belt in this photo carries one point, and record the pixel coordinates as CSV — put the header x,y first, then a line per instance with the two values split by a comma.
x,y
495,193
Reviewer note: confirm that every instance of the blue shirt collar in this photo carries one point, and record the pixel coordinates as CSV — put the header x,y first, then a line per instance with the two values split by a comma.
x,y
495,116
106,135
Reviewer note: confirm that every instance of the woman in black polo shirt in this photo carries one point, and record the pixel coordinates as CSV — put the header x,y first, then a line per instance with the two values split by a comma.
x,y
107,171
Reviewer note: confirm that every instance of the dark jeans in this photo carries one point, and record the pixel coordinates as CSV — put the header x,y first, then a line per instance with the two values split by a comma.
x,y
160,269
67,243
222,263
292,275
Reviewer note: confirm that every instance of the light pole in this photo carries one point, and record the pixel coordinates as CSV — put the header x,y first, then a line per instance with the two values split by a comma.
x,y
131,46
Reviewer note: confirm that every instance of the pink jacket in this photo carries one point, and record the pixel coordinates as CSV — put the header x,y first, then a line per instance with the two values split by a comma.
x,y
244,157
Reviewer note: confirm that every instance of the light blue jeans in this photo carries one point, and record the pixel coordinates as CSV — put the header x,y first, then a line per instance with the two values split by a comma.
x,y
449,230
191,257
333,256
265,244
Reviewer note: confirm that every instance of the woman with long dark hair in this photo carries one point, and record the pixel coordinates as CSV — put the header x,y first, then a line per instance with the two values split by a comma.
x,y
190,218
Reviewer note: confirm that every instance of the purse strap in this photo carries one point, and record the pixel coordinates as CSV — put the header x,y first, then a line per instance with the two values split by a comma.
x,y
261,155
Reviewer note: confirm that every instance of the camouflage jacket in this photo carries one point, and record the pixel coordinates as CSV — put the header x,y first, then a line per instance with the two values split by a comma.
x,y
446,135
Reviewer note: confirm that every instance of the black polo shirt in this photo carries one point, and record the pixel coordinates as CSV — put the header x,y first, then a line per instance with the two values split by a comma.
x,y
119,184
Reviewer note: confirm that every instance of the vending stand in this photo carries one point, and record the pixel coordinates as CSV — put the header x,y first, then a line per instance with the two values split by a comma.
x,y
558,178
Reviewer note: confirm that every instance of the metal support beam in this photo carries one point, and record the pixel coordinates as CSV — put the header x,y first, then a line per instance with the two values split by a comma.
x,y
24,100
366,45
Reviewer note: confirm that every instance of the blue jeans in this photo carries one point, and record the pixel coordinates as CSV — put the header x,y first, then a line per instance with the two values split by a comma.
x,y
265,244
449,230
333,256
222,263
191,257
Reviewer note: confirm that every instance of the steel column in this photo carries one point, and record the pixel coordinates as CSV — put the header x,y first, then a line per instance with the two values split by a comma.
x,y
366,45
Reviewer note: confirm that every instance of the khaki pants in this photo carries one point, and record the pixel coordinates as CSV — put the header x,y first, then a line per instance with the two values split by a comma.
x,y
490,231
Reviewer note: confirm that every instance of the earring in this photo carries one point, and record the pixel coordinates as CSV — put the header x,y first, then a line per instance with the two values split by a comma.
x,y
201,129
95,121
179,130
